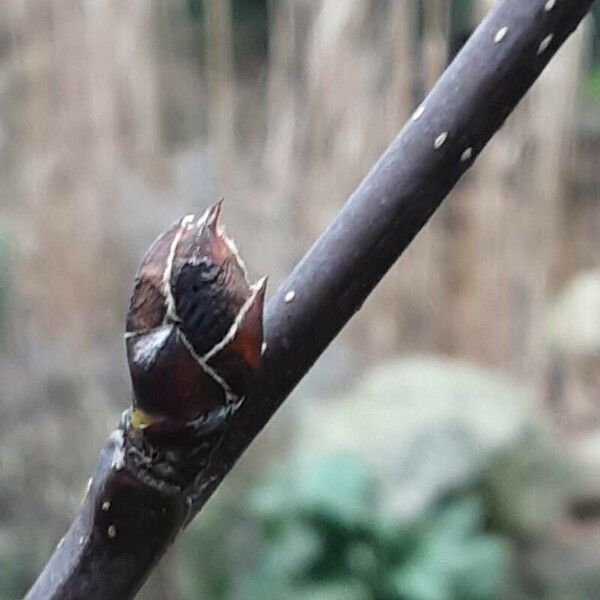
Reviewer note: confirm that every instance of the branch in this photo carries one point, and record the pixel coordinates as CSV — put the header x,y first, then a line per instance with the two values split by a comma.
x,y
138,503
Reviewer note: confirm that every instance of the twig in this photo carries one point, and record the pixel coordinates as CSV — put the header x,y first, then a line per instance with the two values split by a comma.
x,y
126,522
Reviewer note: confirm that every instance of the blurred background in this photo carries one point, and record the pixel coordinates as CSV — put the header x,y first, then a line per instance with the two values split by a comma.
x,y
447,445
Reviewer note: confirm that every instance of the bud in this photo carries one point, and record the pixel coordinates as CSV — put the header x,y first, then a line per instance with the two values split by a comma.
x,y
194,325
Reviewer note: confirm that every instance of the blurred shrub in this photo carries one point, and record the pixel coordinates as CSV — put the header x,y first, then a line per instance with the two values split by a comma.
x,y
412,487
326,538
18,566
591,85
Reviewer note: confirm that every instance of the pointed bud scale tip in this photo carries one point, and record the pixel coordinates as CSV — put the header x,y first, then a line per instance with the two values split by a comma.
x,y
245,336
212,240
212,216
206,239
238,354
249,337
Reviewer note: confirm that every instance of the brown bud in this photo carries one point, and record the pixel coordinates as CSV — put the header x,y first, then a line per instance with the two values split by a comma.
x,y
194,326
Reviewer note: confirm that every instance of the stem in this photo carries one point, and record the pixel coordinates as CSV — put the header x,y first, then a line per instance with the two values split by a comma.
x,y
468,104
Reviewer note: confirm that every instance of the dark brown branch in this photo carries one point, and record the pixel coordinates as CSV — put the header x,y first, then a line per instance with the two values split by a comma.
x,y
126,523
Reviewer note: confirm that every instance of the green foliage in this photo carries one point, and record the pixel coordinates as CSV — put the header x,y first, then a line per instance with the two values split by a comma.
x,y
591,85
411,487
526,488
327,537
18,568
194,9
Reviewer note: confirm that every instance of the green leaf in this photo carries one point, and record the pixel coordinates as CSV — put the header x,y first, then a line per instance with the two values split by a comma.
x,y
294,550
337,488
419,582
338,590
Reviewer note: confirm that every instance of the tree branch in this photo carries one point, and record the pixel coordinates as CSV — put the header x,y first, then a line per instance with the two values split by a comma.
x,y
129,518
